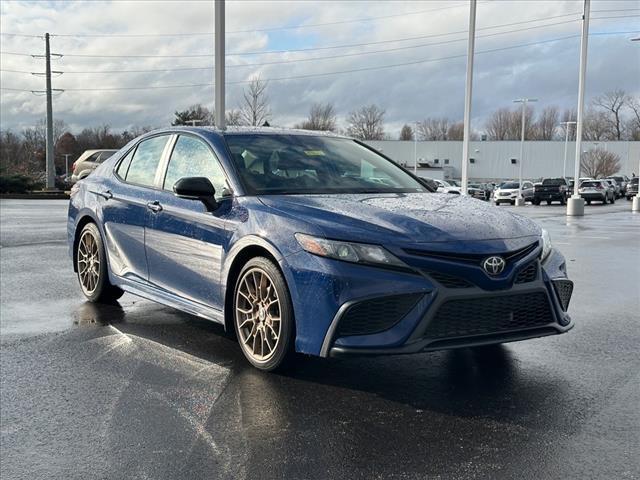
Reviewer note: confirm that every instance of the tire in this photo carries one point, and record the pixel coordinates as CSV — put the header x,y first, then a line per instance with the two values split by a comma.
x,y
261,282
497,204
536,201
588,202
548,202
563,201
512,202
613,200
91,264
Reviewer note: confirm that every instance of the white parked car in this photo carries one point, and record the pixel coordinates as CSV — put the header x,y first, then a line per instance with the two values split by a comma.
x,y
507,192
446,187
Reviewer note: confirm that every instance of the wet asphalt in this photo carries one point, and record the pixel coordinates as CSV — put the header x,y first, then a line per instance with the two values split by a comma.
x,y
143,391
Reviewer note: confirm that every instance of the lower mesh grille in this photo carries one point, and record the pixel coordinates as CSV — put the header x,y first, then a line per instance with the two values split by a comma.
x,y
376,315
449,281
564,289
528,273
478,316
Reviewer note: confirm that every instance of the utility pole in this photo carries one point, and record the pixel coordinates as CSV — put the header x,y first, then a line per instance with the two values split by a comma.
x,y
520,201
219,64
575,205
566,143
50,165
467,98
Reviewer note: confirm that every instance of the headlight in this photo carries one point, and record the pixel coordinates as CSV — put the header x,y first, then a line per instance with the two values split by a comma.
x,y
349,251
546,244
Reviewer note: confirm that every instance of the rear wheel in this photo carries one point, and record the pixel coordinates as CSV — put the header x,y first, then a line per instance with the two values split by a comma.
x,y
588,202
91,263
613,199
563,201
536,202
548,202
263,316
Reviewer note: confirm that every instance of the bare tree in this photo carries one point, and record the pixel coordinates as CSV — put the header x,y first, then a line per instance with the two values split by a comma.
x,y
599,163
255,109
433,129
456,132
321,117
596,126
611,103
233,117
547,123
633,124
506,124
406,133
366,123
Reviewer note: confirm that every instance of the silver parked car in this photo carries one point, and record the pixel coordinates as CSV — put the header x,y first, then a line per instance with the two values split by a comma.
x,y
598,190
88,162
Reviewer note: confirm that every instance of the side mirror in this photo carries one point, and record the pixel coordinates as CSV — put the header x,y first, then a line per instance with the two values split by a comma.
x,y
197,188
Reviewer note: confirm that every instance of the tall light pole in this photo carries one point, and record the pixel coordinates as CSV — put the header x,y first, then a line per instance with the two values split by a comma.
x,y
566,143
575,205
50,163
520,201
636,200
219,64
467,98
415,149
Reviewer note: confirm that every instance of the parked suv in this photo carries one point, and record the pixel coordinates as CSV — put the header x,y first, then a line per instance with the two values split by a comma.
x,y
507,192
88,162
598,190
550,190
632,188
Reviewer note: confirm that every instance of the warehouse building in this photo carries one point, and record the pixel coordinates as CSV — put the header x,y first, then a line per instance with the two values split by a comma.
x,y
493,160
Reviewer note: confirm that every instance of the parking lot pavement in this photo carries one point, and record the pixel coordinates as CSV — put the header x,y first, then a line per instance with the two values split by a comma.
x,y
142,391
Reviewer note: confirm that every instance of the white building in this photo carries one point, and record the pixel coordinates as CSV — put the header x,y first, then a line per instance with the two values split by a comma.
x,y
491,160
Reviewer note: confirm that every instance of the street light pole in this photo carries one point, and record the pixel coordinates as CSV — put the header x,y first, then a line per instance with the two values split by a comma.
x,y
66,164
520,201
415,149
566,143
636,200
219,64
575,205
466,122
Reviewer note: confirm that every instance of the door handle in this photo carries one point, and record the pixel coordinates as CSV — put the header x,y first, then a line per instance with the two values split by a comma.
x,y
154,206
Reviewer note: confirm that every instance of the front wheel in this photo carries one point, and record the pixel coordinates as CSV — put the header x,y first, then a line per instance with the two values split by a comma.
x,y
263,316
613,199
91,263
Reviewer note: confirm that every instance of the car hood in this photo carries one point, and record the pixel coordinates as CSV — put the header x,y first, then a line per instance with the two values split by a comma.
x,y
409,218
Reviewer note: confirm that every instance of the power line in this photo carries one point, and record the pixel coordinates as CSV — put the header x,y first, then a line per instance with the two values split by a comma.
x,y
323,74
279,62
328,47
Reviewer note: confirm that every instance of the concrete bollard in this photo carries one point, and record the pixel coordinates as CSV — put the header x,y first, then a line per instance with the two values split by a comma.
x,y
575,206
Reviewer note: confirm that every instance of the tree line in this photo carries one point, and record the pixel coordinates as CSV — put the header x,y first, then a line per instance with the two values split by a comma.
x,y
614,115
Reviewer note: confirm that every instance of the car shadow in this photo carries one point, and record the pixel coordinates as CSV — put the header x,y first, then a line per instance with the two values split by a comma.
x,y
481,382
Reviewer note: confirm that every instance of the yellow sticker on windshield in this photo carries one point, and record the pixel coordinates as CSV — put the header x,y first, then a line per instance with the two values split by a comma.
x,y
314,153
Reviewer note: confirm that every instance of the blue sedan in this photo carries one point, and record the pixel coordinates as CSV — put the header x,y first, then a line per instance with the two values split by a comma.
x,y
306,242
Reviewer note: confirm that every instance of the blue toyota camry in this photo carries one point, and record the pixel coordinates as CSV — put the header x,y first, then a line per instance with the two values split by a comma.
x,y
305,242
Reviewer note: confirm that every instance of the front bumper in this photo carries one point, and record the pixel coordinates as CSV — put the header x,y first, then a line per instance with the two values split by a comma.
x,y
378,311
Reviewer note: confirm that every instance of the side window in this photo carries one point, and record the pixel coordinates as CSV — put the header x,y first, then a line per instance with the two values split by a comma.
x,y
145,161
93,157
192,158
104,156
124,164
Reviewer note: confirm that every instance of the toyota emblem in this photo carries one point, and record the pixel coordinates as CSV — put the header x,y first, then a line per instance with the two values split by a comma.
x,y
494,265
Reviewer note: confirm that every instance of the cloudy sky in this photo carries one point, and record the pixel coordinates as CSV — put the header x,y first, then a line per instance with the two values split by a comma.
x,y
407,57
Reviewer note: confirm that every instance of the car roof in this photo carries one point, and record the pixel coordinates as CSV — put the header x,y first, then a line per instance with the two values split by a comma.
x,y
237,130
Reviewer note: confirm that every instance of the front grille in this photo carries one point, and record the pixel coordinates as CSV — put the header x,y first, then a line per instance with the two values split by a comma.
x,y
475,258
564,289
528,273
449,281
480,316
376,315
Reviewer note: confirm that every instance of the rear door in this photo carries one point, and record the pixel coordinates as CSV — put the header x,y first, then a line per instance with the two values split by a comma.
x,y
185,242
126,207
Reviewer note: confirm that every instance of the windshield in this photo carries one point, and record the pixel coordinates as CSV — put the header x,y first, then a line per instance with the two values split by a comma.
x,y
299,164
509,185
554,181
590,184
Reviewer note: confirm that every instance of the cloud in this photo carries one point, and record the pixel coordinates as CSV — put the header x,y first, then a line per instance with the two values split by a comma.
x,y
434,87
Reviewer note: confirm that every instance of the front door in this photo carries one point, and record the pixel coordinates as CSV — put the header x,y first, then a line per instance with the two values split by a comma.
x,y
184,242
